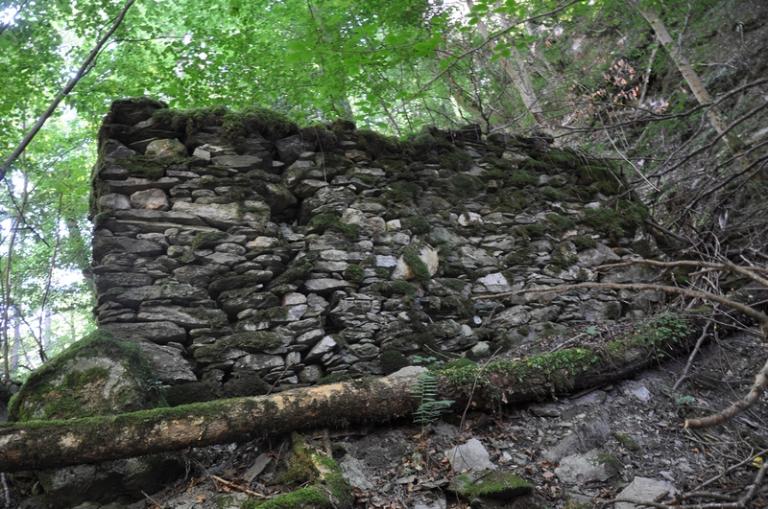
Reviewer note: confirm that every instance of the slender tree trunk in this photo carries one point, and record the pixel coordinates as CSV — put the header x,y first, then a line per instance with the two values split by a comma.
x,y
16,349
514,69
690,76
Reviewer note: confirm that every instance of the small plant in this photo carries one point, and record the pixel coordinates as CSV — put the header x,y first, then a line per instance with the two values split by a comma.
x,y
430,408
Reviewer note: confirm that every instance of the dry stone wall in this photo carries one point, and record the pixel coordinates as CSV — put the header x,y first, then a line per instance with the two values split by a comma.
x,y
262,255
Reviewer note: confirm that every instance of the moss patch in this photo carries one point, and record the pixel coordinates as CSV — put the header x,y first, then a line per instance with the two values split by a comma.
x,y
328,489
60,390
493,484
354,274
616,221
418,267
332,221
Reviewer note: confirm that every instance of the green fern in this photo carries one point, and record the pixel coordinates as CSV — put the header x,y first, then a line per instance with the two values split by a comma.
x,y
430,408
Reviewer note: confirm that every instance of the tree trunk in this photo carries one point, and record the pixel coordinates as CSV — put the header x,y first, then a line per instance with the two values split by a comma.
x,y
49,444
691,77
515,70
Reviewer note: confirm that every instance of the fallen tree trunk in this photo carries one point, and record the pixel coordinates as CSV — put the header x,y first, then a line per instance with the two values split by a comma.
x,y
37,445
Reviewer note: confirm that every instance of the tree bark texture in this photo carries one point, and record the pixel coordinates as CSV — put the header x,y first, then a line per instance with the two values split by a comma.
x,y
48,444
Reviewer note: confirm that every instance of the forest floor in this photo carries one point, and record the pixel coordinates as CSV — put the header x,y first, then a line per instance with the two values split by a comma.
x,y
578,452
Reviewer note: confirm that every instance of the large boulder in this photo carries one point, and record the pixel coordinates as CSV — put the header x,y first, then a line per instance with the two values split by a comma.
x,y
98,375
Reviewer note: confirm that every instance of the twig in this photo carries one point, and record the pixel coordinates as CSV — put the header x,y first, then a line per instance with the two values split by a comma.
x,y
149,497
6,491
695,351
237,487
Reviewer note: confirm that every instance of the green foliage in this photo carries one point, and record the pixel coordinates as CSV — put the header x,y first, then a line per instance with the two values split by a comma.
x,y
430,408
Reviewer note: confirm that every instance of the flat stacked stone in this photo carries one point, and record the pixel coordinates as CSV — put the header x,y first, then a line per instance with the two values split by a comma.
x,y
277,256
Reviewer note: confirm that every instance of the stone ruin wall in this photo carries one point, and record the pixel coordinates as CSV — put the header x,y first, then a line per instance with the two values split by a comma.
x,y
257,254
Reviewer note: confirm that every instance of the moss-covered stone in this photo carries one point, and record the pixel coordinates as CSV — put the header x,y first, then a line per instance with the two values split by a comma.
x,y
331,221
497,485
522,178
414,261
417,224
270,124
618,220
354,273
393,360
377,145
463,184
402,191
98,375
328,489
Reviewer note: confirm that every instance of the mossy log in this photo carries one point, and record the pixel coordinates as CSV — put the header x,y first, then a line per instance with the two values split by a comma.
x,y
46,444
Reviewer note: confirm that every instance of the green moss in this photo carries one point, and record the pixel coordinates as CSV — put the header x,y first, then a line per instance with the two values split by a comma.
x,y
456,160
147,166
331,221
559,223
537,165
392,360
60,399
463,184
418,267
600,178
378,145
402,191
267,123
203,240
616,221
494,484
188,122
554,194
300,469
522,178
303,498
532,231
329,489
417,224
354,273
564,159
402,288
627,441
512,200
583,242
562,258
548,369
297,271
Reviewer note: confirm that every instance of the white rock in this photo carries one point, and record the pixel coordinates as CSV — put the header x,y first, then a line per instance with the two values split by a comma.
x,y
471,455
394,225
166,148
495,282
645,490
262,243
470,218
427,255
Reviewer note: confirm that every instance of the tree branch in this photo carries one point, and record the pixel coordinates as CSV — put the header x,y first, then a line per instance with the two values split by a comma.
x,y
84,68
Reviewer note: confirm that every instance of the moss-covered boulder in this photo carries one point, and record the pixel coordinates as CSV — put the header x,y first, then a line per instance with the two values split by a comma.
x,y
98,375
